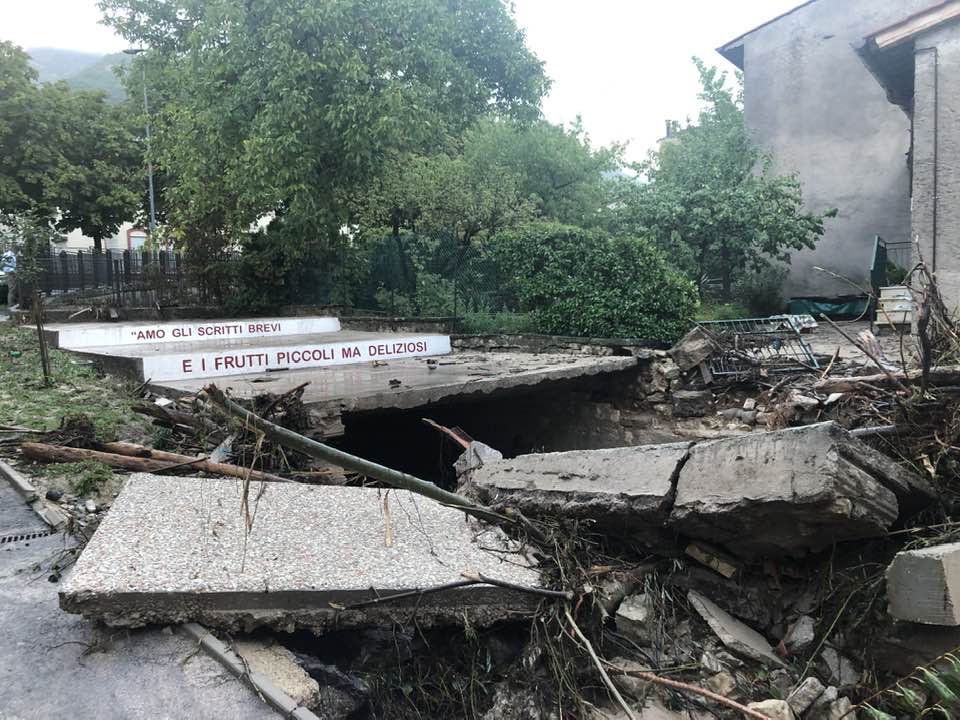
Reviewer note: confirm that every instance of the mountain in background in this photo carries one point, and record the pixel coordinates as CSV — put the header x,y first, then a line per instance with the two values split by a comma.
x,y
82,70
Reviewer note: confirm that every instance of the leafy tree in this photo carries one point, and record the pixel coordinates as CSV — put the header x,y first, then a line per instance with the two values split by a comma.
x,y
290,108
710,202
587,282
66,158
502,174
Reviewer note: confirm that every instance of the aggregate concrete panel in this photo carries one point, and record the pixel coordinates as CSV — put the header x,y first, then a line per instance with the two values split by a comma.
x,y
923,586
623,490
97,334
409,383
176,361
175,549
788,491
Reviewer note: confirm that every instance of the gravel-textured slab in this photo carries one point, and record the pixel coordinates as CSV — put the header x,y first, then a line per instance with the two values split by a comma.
x,y
621,490
174,550
923,586
788,492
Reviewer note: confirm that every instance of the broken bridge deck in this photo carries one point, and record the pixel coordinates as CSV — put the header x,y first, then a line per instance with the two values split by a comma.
x,y
370,386
175,550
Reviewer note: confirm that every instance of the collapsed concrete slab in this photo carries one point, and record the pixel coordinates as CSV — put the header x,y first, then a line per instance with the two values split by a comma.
x,y
174,549
787,492
623,490
923,586
739,638
776,493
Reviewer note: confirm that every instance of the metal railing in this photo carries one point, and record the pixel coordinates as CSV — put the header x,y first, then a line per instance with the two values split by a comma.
x,y
752,345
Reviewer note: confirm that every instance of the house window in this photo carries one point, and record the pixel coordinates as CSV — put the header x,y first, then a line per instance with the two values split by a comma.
x,y
136,238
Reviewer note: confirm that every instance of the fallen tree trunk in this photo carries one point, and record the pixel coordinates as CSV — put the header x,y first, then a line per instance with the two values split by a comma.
x,y
948,375
395,478
135,460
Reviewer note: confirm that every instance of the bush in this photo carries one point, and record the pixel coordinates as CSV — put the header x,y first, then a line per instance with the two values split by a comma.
x,y
726,311
585,282
761,292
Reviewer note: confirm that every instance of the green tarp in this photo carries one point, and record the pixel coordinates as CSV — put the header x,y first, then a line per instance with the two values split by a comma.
x,y
848,306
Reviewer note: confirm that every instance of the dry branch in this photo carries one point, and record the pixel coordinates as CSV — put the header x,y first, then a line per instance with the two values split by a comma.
x,y
395,478
135,460
947,375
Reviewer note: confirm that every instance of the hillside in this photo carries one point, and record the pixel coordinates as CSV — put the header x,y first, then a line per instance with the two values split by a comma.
x,y
102,76
54,64
84,71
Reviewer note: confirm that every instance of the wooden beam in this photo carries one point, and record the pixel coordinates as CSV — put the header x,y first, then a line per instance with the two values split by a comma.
x,y
916,24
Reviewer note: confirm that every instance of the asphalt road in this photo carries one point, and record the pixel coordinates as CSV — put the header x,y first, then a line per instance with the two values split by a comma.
x,y
54,665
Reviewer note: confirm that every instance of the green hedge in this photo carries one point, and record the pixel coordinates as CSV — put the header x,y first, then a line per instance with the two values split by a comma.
x,y
588,283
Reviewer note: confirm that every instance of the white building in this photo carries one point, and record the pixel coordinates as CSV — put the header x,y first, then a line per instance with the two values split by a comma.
x,y
129,237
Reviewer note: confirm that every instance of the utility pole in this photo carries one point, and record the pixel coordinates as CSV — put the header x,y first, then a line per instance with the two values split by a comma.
x,y
146,112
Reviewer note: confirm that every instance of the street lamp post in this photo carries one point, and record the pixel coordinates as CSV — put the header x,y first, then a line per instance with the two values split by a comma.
x,y
146,111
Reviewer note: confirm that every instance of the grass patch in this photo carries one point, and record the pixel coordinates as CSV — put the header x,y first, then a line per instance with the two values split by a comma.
x,y
76,389
86,477
726,311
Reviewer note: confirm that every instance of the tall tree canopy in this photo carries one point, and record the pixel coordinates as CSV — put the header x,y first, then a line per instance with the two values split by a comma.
x,y
499,174
67,158
711,204
283,107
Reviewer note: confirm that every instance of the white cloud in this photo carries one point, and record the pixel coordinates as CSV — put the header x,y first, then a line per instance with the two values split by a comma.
x,y
624,65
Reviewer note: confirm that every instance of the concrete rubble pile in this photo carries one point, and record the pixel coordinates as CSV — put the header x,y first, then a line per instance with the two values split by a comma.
x,y
334,560
753,564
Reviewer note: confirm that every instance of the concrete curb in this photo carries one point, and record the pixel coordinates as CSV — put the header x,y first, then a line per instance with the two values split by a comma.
x,y
52,516
274,696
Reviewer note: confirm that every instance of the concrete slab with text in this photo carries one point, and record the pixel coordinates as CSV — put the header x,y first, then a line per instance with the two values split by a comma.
x,y
161,362
88,335
217,362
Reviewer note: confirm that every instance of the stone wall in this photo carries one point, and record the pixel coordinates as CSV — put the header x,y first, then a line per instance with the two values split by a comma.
x,y
813,104
936,182
602,347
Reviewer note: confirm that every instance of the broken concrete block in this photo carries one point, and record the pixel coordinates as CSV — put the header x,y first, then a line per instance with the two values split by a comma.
x,y
739,638
692,403
804,695
838,709
787,492
801,634
773,709
723,683
692,349
624,490
923,586
175,549
341,696
635,618
475,456
842,670
280,666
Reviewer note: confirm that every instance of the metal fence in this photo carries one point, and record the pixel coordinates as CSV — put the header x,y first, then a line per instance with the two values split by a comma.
x,y
891,262
398,275
158,274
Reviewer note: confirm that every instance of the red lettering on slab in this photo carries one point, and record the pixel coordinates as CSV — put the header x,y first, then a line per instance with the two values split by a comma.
x,y
349,352
187,366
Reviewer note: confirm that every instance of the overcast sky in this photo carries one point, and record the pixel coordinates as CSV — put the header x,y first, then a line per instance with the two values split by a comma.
x,y
624,65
